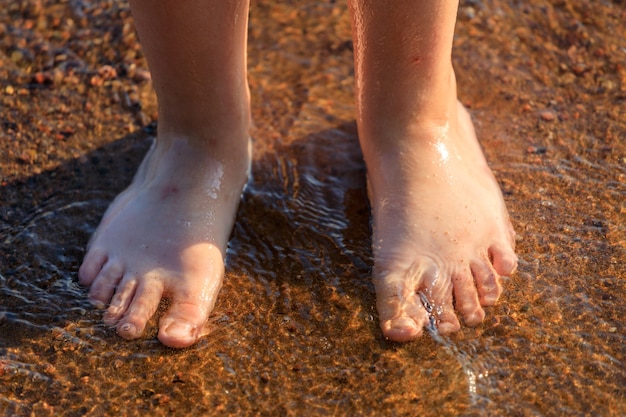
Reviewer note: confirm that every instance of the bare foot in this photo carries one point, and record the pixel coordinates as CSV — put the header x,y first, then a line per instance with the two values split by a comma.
x,y
165,236
442,236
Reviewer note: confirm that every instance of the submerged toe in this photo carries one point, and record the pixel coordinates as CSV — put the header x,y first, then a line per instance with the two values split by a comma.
x,y
91,266
120,302
448,326
447,321
402,316
403,329
135,308
106,282
183,324
504,259
466,299
487,282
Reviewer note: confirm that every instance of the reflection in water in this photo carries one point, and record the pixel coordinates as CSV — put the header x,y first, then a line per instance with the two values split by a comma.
x,y
295,329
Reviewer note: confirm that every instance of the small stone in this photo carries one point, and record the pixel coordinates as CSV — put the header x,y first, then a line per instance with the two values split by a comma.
x,y
24,158
17,56
579,68
547,115
141,75
537,150
162,399
42,78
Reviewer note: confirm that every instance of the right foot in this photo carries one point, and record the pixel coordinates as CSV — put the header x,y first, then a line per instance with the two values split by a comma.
x,y
166,236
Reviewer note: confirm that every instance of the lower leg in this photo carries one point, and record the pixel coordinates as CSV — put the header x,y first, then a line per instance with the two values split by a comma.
x,y
196,51
166,235
442,237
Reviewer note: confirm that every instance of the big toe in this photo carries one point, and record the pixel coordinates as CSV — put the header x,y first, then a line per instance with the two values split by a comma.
x,y
183,325
401,329
400,310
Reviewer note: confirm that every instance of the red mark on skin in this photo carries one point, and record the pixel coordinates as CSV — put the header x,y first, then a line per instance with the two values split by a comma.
x,y
168,191
416,59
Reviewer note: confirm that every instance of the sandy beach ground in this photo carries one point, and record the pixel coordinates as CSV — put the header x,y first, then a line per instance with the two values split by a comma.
x,y
295,329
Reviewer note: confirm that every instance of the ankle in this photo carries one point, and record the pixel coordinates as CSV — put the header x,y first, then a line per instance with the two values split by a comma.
x,y
418,116
183,153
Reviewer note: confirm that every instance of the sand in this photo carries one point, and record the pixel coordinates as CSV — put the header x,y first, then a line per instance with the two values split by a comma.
x,y
295,329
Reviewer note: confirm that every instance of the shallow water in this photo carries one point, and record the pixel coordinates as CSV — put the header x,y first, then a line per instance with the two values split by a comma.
x,y
295,329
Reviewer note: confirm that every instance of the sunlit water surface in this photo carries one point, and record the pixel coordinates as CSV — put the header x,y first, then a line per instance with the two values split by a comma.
x,y
295,329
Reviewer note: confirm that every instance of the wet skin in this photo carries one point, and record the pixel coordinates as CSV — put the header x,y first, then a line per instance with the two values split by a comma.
x,y
442,237
165,236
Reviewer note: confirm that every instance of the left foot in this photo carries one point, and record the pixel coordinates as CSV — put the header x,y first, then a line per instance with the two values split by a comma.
x,y
442,236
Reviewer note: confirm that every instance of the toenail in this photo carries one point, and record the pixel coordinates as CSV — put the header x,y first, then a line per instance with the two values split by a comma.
x,y
447,328
128,329
490,299
179,330
403,323
474,319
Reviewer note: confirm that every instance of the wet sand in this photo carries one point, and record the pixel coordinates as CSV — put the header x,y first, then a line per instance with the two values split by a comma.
x,y
295,329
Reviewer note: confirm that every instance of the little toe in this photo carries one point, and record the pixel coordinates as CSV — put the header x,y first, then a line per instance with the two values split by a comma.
x,y
141,308
466,299
487,282
183,324
504,259
512,233
103,287
91,266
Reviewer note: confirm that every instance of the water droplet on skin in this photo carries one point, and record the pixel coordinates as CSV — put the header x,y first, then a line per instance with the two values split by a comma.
x,y
215,180
444,155
183,222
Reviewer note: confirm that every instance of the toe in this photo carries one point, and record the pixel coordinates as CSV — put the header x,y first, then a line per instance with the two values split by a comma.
x,y
401,312
124,295
141,306
103,287
504,259
191,304
403,329
441,302
466,298
183,324
487,282
512,234
91,266
447,321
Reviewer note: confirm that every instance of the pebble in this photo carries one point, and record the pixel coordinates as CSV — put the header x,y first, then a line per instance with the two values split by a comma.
x,y
537,150
547,115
